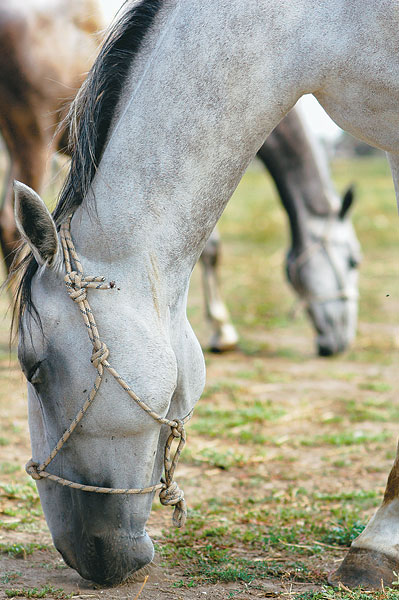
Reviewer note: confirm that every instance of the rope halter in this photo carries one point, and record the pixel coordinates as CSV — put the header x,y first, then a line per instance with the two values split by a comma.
x,y
322,243
169,492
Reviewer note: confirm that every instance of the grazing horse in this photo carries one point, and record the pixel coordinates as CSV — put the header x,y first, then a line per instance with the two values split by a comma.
x,y
179,100
45,51
321,263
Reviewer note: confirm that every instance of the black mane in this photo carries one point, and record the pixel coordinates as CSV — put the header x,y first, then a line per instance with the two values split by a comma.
x,y
89,120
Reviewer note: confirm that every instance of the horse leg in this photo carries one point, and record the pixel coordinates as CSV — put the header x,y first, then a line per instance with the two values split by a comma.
x,y
374,555
224,335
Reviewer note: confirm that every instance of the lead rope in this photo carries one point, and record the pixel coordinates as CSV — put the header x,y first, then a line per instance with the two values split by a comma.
x,y
170,494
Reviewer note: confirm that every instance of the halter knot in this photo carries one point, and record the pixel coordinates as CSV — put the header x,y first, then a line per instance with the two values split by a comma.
x,y
172,495
100,356
178,429
32,468
73,281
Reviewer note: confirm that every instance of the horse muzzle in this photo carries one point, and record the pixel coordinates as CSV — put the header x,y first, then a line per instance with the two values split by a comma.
x,y
107,559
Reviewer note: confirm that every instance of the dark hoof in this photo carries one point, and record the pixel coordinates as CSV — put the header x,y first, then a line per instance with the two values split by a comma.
x,y
366,569
222,349
224,340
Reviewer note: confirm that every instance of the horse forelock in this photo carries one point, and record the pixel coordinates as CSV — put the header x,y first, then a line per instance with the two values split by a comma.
x,y
89,119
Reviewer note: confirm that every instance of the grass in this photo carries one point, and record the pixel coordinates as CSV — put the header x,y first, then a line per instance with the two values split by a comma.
x,y
219,536
20,550
343,533
46,591
346,438
287,454
345,594
214,422
10,576
7,468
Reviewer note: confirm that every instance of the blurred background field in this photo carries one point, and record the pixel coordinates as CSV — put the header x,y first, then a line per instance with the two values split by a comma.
x,y
288,453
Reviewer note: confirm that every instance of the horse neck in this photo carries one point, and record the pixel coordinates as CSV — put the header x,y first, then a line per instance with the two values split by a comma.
x,y
195,108
300,170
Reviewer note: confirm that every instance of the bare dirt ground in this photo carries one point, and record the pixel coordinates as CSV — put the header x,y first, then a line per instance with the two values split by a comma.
x,y
287,455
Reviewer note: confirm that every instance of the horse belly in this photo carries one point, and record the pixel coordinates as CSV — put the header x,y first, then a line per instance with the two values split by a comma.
x,y
366,109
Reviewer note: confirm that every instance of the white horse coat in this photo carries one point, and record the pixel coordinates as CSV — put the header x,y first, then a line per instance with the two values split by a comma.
x,y
207,83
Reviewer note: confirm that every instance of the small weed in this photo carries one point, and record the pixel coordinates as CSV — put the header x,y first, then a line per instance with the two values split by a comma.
x,y
43,592
9,526
181,583
10,576
7,468
343,533
346,438
223,387
212,422
210,566
21,491
375,386
345,594
222,460
350,495
20,550
342,462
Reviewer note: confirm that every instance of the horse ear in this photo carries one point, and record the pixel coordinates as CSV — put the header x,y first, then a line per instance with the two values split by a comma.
x,y
35,224
347,201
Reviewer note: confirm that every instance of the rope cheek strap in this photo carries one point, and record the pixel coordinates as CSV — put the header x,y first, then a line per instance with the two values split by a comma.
x,y
323,243
169,492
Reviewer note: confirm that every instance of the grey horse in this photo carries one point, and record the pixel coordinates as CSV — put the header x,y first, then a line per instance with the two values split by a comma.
x,y
322,261
179,100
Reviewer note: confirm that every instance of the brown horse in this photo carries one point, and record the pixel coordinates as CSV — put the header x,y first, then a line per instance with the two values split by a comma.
x,y
46,48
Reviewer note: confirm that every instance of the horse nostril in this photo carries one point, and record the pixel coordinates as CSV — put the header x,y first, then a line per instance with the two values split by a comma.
x,y
325,351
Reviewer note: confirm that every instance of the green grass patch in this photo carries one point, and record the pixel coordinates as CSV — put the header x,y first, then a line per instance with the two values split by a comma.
x,y
10,576
340,594
346,438
21,550
213,565
343,533
43,592
375,386
26,492
214,422
7,468
350,495
215,458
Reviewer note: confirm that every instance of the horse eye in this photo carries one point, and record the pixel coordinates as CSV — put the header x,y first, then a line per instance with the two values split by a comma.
x,y
353,262
33,373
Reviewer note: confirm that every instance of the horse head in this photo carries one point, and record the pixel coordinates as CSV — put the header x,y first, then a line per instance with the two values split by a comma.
x,y
322,268
91,434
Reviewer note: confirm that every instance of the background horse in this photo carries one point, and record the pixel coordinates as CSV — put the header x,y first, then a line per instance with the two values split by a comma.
x,y
217,76
321,263
35,87
45,51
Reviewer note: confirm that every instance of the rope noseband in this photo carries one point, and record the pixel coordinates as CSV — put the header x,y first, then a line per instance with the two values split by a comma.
x,y
293,268
169,492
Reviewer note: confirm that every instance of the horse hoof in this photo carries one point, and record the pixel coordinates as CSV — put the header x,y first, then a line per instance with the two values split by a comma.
x,y
219,348
365,568
224,340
